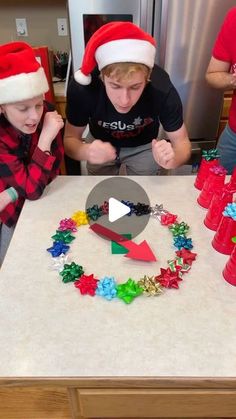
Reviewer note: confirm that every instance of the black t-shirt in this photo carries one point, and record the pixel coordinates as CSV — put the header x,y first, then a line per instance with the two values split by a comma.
x,y
90,105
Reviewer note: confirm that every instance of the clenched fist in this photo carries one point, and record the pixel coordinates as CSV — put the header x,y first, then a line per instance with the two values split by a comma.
x,y
52,124
163,153
100,152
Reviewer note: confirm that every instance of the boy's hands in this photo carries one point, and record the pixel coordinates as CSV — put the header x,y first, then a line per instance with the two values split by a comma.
x,y
52,124
100,152
163,153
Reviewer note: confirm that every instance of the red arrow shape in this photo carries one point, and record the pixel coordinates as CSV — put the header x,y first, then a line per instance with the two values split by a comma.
x,y
140,251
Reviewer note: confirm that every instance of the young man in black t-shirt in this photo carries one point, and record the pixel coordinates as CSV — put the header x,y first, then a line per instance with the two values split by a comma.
x,y
122,107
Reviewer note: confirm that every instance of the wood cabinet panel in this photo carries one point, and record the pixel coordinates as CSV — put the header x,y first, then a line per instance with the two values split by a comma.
x,y
225,112
226,106
61,106
110,399
34,403
156,403
60,98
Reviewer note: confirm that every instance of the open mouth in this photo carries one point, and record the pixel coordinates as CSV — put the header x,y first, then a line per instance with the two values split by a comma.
x,y
31,126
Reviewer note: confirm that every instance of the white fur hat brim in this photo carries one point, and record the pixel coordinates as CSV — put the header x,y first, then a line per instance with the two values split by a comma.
x,y
23,86
125,50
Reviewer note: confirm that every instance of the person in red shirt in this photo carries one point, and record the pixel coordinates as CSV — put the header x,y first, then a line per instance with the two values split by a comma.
x,y
221,74
31,148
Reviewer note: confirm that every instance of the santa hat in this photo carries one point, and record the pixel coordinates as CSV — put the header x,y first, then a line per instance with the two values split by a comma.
x,y
116,42
21,76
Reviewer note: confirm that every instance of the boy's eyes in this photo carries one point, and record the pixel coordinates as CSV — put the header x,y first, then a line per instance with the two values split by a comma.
x,y
136,87
24,109
21,108
115,86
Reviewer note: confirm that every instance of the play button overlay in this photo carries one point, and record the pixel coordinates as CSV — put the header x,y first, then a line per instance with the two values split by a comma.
x,y
117,210
119,193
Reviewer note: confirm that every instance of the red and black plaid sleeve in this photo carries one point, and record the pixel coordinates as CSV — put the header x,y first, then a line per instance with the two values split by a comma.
x,y
28,174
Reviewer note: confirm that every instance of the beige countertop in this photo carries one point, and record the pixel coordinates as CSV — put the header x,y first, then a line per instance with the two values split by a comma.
x,y
49,330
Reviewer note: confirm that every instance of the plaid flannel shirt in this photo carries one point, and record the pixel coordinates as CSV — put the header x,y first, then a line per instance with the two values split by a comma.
x,y
24,166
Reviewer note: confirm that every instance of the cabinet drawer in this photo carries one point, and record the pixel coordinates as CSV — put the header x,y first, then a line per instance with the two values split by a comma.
x,y
114,403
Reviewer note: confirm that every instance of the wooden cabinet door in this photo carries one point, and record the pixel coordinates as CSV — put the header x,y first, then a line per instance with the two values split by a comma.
x,y
116,403
34,403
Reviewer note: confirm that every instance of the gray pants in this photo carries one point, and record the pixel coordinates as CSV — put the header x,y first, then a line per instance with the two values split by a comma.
x,y
6,234
137,161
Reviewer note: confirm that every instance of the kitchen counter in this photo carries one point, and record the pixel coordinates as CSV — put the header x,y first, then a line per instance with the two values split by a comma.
x,y
184,338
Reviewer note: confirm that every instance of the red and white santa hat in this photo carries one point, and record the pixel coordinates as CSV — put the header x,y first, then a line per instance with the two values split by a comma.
x,y
21,75
116,42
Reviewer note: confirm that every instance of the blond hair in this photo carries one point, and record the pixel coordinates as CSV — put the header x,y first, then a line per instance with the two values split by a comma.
x,y
124,71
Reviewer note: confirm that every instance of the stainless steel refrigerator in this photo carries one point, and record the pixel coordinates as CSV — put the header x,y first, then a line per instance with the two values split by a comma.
x,y
185,31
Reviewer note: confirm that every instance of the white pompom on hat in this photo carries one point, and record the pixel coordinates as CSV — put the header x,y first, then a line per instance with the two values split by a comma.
x,y
21,75
116,42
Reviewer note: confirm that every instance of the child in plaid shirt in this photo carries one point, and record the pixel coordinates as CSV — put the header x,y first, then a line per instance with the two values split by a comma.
x,y
31,147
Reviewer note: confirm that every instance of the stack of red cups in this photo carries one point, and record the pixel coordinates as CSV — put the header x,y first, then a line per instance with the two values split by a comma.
x,y
210,158
221,215
227,229
219,201
214,183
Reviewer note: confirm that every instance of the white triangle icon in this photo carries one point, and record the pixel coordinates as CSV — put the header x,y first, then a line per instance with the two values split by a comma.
x,y
117,210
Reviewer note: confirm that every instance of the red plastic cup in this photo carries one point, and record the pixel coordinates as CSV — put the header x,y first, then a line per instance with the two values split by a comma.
x,y
203,172
217,205
222,240
213,183
229,272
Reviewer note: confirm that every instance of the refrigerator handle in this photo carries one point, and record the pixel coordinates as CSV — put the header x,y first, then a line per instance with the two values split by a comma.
x,y
146,15
162,35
